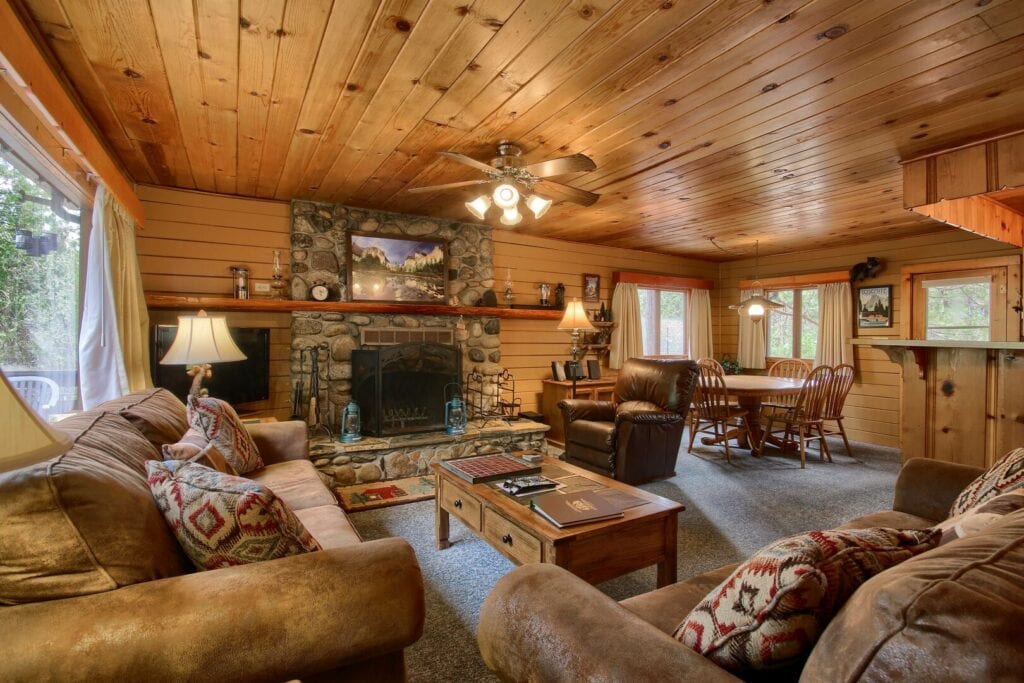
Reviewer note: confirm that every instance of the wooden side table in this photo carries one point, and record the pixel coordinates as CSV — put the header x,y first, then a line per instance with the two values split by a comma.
x,y
555,391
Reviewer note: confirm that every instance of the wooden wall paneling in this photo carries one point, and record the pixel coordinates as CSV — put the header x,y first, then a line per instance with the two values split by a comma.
x,y
1010,153
981,215
1007,406
258,45
957,425
217,35
302,31
961,173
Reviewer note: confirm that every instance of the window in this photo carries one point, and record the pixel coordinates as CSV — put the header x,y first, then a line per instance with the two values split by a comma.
x,y
793,330
663,317
958,308
40,240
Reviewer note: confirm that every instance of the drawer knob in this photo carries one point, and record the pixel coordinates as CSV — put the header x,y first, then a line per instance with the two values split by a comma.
x,y
507,539
458,503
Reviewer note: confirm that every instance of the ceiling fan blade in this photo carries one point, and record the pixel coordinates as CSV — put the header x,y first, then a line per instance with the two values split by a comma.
x,y
561,166
447,186
470,161
567,193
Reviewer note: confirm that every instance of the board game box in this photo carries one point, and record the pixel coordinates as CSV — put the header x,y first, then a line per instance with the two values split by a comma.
x,y
480,468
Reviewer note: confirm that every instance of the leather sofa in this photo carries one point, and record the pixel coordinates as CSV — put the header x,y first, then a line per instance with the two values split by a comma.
x,y
131,607
636,437
950,614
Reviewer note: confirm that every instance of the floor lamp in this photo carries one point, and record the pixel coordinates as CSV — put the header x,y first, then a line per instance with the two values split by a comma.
x,y
201,340
575,320
28,439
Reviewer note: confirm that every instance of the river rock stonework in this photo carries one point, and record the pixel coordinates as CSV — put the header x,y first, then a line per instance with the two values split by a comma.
x,y
319,244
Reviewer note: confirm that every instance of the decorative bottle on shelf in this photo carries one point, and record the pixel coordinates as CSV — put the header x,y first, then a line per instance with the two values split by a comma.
x,y
277,286
509,295
602,315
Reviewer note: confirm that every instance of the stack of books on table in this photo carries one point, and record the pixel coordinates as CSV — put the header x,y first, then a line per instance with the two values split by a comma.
x,y
569,509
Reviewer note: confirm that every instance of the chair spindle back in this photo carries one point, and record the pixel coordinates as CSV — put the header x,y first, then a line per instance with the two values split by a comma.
x,y
842,381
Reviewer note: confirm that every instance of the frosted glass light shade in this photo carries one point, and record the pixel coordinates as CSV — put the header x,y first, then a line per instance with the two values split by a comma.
x,y
478,207
511,216
575,317
506,196
202,339
27,438
538,205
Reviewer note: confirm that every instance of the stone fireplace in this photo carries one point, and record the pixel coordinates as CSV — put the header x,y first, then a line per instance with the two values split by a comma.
x,y
401,388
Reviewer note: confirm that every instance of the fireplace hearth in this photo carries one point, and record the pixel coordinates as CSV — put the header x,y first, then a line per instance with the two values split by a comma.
x,y
401,389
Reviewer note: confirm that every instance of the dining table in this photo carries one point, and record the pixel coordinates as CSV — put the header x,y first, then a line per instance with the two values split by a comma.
x,y
750,392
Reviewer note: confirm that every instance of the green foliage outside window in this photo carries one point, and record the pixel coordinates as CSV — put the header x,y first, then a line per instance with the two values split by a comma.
x,y
959,312
38,294
804,304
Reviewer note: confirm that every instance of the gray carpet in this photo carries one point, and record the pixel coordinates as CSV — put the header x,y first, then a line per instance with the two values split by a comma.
x,y
731,511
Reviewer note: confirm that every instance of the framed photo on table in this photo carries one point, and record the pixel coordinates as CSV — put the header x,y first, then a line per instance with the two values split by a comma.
x,y
874,306
591,287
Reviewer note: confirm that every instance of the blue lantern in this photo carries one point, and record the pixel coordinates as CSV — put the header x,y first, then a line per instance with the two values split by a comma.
x,y
454,411
351,427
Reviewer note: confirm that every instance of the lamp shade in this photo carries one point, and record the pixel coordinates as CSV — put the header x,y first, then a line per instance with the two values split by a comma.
x,y
478,207
538,205
202,339
575,317
27,438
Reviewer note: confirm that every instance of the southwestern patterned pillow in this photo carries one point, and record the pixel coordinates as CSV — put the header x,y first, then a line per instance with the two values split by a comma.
x,y
1005,475
221,520
771,610
201,453
981,516
216,422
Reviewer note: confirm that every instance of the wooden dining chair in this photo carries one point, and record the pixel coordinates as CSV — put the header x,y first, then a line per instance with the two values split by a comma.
x,y
805,417
707,361
712,409
790,368
835,400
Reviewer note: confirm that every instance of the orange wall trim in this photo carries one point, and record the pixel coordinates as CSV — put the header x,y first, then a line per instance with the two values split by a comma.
x,y
798,280
661,281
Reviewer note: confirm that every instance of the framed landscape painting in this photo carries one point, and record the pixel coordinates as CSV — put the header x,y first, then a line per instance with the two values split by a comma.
x,y
874,306
591,287
397,269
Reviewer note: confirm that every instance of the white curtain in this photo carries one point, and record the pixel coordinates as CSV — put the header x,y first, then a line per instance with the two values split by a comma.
x,y
113,352
698,324
751,344
836,325
627,336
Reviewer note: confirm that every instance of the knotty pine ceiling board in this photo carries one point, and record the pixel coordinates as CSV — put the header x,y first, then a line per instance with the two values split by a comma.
x,y
713,123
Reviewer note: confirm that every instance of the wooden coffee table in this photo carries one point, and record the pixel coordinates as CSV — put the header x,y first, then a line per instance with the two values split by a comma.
x,y
645,535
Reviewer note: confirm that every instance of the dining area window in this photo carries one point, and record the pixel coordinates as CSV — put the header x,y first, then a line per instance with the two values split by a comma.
x,y
960,300
958,308
792,331
663,320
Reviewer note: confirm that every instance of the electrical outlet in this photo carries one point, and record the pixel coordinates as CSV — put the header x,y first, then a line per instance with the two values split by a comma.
x,y
263,288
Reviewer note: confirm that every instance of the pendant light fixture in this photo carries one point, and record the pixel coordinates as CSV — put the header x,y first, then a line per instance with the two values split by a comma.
x,y
478,207
756,305
538,205
506,196
511,216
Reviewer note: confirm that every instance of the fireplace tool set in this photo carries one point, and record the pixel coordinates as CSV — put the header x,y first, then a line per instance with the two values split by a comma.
x,y
314,412
503,403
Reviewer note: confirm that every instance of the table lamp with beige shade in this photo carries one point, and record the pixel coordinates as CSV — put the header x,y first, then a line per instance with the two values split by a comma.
x,y
27,438
575,320
200,341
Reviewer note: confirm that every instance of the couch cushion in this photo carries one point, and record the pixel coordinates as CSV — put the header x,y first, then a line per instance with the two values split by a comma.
x,y
951,614
1006,475
218,423
296,483
84,522
221,520
666,607
329,525
889,519
769,612
597,435
156,413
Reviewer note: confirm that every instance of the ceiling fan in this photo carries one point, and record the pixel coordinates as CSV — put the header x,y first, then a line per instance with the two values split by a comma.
x,y
508,173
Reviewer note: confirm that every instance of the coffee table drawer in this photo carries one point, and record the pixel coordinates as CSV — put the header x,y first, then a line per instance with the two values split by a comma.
x,y
520,545
461,504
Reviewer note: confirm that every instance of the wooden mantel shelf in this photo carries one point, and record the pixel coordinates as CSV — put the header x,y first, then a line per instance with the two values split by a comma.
x,y
159,300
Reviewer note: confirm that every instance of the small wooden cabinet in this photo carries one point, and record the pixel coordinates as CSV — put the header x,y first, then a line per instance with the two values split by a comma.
x,y
555,391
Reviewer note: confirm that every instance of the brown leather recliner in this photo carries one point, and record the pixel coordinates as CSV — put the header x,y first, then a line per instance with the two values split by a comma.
x,y
634,438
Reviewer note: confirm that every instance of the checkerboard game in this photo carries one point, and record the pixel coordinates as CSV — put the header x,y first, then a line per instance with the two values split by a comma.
x,y
482,468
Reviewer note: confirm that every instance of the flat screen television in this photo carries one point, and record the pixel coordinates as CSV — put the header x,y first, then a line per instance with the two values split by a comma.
x,y
242,381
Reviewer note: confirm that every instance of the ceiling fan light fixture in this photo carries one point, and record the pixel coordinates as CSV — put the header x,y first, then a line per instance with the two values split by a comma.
x,y
478,207
511,216
538,205
506,196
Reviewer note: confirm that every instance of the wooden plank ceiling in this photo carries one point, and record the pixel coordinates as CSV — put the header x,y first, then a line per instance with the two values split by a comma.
x,y
714,123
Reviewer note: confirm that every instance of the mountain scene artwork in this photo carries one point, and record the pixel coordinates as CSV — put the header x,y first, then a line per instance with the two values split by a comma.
x,y
397,269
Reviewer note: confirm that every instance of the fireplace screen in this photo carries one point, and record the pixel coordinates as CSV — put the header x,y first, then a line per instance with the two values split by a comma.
x,y
400,389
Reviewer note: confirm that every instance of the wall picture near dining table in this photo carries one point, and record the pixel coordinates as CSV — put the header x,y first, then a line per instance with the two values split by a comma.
x,y
874,306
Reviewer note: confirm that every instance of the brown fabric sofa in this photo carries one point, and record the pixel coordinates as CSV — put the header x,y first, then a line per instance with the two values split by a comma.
x,y
950,614
93,586
635,438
